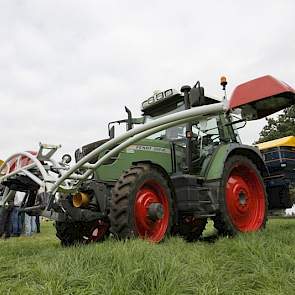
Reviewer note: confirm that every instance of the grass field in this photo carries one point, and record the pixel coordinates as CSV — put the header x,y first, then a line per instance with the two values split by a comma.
x,y
260,263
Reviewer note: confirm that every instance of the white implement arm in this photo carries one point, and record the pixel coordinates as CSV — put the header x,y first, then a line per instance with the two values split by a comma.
x,y
67,178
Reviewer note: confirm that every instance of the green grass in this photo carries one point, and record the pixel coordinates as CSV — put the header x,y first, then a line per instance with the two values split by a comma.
x,y
260,263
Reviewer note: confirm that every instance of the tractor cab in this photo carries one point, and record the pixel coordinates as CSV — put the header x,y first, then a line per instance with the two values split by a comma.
x,y
199,138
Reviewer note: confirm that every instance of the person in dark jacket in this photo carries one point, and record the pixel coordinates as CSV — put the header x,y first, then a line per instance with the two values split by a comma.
x,y
37,220
5,216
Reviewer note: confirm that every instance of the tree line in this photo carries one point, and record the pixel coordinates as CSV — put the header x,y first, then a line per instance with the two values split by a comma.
x,y
283,125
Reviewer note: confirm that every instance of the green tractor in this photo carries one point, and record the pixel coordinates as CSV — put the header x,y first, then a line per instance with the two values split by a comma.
x,y
182,164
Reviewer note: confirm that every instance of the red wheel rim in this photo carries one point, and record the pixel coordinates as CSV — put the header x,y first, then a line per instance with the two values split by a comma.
x,y
154,230
245,199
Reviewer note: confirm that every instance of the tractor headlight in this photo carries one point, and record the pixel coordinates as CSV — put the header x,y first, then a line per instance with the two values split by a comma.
x,y
168,92
159,96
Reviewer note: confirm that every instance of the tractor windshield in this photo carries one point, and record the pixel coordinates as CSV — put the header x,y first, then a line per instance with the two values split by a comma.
x,y
172,133
208,133
208,127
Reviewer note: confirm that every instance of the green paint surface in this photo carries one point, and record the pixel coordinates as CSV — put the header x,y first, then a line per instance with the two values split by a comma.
x,y
216,164
155,151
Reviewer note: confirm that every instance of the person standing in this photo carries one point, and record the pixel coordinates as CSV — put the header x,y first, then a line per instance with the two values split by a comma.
x,y
5,224
37,218
30,225
5,217
16,220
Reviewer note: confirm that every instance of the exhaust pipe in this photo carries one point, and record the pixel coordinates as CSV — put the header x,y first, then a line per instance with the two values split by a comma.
x,y
80,200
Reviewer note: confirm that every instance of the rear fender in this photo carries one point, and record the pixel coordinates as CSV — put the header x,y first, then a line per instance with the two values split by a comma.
x,y
215,167
162,170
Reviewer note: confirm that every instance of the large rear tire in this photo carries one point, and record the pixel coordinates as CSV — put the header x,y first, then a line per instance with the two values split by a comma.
x,y
141,204
242,200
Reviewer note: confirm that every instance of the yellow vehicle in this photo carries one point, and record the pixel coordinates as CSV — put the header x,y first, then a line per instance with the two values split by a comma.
x,y
279,156
1,163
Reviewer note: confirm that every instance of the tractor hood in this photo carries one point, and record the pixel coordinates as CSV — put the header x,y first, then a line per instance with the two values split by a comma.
x,y
262,97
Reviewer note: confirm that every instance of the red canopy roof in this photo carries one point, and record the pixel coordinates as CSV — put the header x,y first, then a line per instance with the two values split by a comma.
x,y
253,92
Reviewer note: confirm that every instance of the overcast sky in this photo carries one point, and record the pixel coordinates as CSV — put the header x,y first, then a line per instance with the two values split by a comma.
x,y
67,68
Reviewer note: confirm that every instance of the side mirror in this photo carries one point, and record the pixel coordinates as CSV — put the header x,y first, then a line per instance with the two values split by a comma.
x,y
66,159
112,132
197,96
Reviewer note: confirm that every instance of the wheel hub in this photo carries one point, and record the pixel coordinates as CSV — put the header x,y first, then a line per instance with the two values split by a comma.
x,y
155,211
151,211
242,198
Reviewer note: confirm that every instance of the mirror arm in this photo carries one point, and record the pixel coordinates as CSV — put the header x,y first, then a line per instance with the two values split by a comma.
x,y
236,122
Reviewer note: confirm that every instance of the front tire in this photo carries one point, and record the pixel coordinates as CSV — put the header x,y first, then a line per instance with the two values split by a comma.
x,y
141,204
242,200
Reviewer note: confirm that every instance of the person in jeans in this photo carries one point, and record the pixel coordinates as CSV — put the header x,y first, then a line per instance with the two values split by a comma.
x,y
30,225
16,220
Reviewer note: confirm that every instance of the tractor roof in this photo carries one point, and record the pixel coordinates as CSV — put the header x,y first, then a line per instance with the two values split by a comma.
x,y
161,102
284,141
261,97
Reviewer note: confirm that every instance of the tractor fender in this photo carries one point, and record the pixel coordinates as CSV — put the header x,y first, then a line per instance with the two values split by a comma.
x,y
162,171
215,167
166,175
